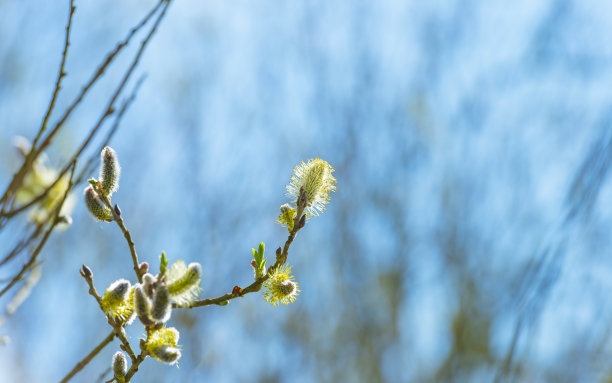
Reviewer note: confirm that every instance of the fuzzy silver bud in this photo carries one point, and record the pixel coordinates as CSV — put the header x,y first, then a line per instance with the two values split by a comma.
x,y
167,354
96,206
119,366
148,281
110,171
119,290
86,272
161,309
142,305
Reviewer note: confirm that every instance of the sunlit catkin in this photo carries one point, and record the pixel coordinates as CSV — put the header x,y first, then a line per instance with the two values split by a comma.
x,y
163,345
119,366
169,355
315,178
110,171
142,305
184,282
96,206
148,280
161,309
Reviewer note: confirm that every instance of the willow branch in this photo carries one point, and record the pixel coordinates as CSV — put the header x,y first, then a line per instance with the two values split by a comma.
x,y
281,258
116,325
135,364
79,366
24,242
126,234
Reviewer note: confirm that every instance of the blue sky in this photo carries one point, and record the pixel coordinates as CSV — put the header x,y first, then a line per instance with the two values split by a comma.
x,y
462,133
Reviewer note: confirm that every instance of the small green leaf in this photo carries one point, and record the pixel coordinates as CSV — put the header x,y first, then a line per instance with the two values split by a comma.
x,y
260,250
258,255
255,255
224,303
163,262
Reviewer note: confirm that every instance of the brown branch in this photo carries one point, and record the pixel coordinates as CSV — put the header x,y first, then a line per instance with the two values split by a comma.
x,y
61,74
126,233
135,364
116,325
79,366
281,258
25,241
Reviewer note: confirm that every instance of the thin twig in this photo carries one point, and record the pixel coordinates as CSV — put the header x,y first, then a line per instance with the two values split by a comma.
x,y
117,326
22,294
103,375
79,366
25,241
135,364
126,233
256,286
60,75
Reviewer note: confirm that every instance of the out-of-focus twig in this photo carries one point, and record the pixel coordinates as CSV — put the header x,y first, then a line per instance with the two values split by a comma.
x,y
83,362
108,110
36,252
31,156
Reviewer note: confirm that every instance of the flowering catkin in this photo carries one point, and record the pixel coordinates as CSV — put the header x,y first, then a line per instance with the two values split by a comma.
x,y
119,366
110,171
148,280
315,178
96,206
184,282
119,290
161,309
163,345
142,305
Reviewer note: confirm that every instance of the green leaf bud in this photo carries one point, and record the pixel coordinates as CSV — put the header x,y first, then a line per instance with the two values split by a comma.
x,y
163,262
110,171
96,206
119,366
161,310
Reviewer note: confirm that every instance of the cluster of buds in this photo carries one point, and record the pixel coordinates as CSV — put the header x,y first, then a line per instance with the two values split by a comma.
x,y
154,297
108,183
310,186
